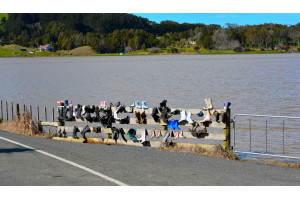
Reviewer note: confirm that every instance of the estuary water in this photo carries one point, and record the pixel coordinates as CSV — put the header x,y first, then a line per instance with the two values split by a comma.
x,y
265,84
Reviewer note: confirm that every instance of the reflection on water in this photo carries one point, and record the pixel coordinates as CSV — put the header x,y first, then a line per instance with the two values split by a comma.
x,y
258,84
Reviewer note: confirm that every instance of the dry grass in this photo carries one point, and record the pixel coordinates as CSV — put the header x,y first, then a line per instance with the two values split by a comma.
x,y
25,126
217,151
283,164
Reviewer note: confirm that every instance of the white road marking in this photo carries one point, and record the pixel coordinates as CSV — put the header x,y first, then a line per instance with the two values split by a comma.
x,y
69,162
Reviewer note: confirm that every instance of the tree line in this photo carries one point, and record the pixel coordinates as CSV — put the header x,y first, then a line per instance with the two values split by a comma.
x,y
112,33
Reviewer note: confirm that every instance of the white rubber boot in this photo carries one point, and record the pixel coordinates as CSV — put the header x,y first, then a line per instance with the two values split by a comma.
x,y
208,103
189,117
116,115
206,116
143,137
183,116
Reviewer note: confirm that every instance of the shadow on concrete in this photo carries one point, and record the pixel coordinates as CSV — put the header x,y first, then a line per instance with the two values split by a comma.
x,y
14,150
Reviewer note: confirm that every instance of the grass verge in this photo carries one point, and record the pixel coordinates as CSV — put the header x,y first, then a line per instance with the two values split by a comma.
x,y
24,126
217,151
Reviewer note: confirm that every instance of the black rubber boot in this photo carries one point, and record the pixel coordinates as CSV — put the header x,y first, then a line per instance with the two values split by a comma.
x,y
115,133
175,112
60,113
154,115
85,130
59,133
64,133
79,110
75,130
65,111
121,131
162,105
125,120
70,116
97,112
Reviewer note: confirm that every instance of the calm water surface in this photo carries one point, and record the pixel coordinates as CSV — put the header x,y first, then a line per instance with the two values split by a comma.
x,y
256,84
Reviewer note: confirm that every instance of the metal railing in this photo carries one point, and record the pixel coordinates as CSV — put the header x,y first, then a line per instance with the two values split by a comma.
x,y
266,153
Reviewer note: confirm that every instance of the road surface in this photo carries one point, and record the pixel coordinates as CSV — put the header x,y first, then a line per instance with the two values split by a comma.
x,y
34,161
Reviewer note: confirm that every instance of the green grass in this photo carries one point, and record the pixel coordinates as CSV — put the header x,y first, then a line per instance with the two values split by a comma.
x,y
1,16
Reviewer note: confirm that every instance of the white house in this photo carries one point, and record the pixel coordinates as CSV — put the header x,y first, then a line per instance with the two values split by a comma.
x,y
46,47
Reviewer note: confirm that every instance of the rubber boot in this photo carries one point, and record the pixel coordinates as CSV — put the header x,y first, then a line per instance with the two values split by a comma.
x,y
138,117
181,136
170,124
228,105
144,106
143,118
131,133
176,135
59,133
60,113
115,133
121,131
75,130
154,115
70,117
97,112
79,110
189,117
152,134
223,116
116,115
85,130
175,125
175,112
200,114
208,103
64,133
137,105
158,133
143,137
162,105
217,116
166,136
125,120
65,111
164,115
206,116
183,116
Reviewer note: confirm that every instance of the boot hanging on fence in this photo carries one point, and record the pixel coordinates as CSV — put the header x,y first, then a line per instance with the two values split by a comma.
x,y
60,113
143,137
75,130
85,130
138,117
79,110
70,117
97,112
115,133
143,118
121,131
154,115
125,120
65,111
64,134
59,133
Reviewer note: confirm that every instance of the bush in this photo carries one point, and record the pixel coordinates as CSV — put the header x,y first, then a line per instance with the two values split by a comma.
x,y
238,49
247,50
155,50
262,49
174,50
298,49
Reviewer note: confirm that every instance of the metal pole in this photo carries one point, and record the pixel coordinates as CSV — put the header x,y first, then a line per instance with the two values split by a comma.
x,y
250,132
30,111
266,136
283,137
233,132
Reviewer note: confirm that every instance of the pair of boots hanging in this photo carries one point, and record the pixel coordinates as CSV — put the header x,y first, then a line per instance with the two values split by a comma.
x,y
140,118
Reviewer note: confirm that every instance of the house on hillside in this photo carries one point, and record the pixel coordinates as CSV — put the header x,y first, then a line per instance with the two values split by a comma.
x,y
192,42
46,47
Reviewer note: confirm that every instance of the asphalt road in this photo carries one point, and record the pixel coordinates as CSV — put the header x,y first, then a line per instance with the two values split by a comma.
x,y
20,166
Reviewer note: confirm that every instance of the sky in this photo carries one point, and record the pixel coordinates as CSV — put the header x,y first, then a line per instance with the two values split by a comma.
x,y
223,18
190,11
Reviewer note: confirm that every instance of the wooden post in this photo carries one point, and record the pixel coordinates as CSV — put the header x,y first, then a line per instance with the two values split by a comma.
x,y
12,110
24,109
1,111
226,131
53,114
30,111
6,111
17,111
45,114
38,114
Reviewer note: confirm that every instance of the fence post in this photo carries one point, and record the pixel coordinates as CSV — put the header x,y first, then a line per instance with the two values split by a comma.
x,y
30,111
6,111
226,131
17,111
1,111
53,114
12,110
45,114
38,113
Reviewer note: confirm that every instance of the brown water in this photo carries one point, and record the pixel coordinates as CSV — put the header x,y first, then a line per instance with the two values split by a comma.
x,y
256,84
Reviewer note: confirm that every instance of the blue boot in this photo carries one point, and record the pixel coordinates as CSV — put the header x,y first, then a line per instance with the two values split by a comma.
x,y
144,105
171,124
175,125
137,104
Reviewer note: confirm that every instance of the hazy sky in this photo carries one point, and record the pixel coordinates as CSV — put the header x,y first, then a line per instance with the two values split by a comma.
x,y
223,18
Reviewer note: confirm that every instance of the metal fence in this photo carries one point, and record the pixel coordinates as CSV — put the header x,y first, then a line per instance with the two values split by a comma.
x,y
266,135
